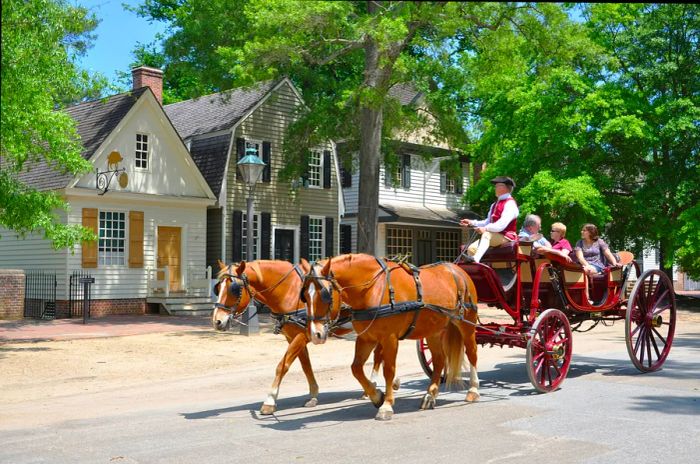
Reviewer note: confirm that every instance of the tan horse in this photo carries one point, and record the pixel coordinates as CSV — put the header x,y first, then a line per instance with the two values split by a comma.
x,y
445,316
278,285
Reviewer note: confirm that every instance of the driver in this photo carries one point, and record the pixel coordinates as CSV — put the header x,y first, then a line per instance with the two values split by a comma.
x,y
499,227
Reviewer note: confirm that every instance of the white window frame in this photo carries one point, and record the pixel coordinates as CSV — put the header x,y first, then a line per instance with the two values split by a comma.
x,y
105,258
137,159
447,244
321,241
315,179
399,241
257,230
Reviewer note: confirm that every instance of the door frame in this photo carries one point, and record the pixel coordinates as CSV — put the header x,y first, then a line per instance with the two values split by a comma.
x,y
296,230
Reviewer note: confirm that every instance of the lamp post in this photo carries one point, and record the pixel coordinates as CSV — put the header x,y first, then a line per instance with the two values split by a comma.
x,y
251,168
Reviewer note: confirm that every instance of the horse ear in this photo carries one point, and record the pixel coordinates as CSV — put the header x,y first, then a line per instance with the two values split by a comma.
x,y
222,265
327,268
305,266
240,268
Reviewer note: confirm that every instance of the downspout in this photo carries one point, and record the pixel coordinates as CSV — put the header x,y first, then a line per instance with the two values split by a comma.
x,y
223,196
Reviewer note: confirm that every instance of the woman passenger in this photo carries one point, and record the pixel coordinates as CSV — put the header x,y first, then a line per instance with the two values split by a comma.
x,y
560,245
591,249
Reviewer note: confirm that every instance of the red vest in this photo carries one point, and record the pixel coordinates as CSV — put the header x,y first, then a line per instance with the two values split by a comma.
x,y
496,210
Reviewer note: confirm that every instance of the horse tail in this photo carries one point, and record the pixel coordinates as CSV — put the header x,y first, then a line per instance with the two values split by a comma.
x,y
453,345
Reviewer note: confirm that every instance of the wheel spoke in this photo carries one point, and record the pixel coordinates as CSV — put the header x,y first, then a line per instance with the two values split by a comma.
x,y
639,326
638,341
662,309
649,348
653,342
650,288
663,339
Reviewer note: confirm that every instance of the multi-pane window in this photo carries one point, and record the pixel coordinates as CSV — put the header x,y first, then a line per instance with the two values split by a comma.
x,y
399,242
141,154
401,176
254,144
112,241
447,245
315,238
256,235
315,168
451,180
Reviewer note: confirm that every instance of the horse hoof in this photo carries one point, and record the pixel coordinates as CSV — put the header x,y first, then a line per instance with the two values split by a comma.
x,y
267,409
397,384
428,402
380,400
472,397
384,415
364,397
311,403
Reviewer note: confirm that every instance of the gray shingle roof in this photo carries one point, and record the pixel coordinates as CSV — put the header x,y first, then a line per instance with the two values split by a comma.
x,y
215,112
405,93
95,120
209,155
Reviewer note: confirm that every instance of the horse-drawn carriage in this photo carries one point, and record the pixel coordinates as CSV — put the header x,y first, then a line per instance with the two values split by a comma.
x,y
545,295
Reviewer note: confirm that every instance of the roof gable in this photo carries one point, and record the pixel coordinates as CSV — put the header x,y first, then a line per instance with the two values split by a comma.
x,y
95,121
216,112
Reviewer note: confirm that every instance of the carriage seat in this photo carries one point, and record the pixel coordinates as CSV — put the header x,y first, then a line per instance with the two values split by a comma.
x,y
506,252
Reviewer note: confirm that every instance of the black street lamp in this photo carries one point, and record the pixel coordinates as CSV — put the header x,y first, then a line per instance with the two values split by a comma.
x,y
251,168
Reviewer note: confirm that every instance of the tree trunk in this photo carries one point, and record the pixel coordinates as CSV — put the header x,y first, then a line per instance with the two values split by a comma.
x,y
371,120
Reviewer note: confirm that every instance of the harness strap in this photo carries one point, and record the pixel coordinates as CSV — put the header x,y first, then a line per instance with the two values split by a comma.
x,y
419,295
385,310
297,317
387,272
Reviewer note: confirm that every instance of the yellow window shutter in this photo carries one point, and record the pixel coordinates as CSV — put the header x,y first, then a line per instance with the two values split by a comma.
x,y
135,238
90,248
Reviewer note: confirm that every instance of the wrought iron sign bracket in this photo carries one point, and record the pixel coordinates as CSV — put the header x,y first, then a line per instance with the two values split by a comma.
x,y
104,179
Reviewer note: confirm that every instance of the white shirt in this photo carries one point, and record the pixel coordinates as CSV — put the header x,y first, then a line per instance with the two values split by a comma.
x,y
510,212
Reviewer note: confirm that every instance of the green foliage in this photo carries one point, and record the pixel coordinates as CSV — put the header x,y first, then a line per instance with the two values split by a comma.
x,y
40,40
573,202
688,242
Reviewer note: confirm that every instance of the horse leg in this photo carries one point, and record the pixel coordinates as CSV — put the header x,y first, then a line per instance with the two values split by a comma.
x,y
438,355
363,348
308,371
297,346
390,347
469,333
376,364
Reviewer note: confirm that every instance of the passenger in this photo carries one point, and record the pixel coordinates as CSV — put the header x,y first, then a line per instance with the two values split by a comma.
x,y
531,232
591,251
560,245
499,227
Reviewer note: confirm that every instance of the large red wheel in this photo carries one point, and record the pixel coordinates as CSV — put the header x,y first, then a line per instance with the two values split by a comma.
x,y
650,321
549,350
425,358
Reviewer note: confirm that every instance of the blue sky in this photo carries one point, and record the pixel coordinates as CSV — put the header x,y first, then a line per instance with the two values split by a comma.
x,y
117,34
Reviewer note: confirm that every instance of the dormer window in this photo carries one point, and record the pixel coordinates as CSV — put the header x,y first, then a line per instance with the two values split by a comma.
x,y
141,153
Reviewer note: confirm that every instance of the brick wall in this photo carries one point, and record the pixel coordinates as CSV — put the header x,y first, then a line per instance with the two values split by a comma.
x,y
99,308
11,293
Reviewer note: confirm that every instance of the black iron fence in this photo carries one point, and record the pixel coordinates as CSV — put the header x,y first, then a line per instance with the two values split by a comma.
x,y
77,296
40,294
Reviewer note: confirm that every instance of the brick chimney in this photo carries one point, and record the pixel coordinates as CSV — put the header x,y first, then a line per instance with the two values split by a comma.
x,y
143,76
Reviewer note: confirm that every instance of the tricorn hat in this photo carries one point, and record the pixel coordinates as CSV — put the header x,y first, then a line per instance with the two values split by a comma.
x,y
503,180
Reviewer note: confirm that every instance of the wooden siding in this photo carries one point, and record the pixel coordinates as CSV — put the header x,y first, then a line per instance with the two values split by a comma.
x,y
425,188
35,252
117,282
268,123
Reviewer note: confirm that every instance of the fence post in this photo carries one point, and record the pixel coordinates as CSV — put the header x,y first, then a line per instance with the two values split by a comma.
x,y
86,281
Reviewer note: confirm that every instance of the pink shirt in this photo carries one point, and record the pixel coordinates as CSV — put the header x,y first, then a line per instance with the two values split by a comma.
x,y
562,244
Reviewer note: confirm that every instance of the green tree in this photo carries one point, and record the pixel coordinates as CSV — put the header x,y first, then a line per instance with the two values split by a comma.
x,y
344,56
615,99
40,40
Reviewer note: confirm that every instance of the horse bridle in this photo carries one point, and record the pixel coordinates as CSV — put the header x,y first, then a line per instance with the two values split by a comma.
x,y
326,296
235,290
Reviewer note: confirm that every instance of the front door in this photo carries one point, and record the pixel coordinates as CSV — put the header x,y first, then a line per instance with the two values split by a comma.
x,y
169,255
424,252
284,245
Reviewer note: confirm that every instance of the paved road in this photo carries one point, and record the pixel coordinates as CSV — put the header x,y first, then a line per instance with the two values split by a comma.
x,y
606,412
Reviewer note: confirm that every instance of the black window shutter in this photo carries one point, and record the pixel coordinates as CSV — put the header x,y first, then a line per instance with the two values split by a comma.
x,y
267,172
326,169
406,161
345,238
346,177
240,153
330,232
304,238
443,182
237,236
266,235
